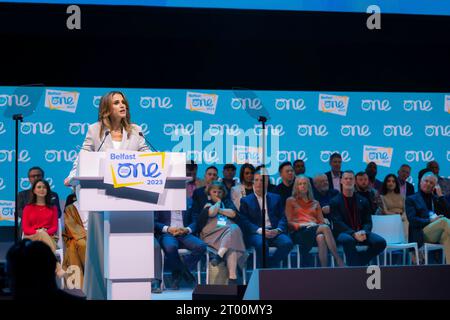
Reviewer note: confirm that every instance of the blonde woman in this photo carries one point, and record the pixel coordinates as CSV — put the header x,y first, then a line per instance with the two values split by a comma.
x,y
307,224
113,130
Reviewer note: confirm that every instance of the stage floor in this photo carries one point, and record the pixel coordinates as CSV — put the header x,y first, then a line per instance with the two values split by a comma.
x,y
182,294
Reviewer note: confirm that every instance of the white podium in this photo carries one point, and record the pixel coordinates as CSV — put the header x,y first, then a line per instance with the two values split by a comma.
x,y
120,251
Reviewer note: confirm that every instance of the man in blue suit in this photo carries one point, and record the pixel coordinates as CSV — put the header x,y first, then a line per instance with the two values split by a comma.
x,y
428,214
175,230
276,223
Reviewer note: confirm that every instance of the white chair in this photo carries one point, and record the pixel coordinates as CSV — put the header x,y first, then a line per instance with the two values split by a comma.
x,y
272,250
209,251
427,247
181,252
390,227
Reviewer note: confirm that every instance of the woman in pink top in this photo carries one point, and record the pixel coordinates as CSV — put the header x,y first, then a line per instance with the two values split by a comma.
x,y
307,224
40,218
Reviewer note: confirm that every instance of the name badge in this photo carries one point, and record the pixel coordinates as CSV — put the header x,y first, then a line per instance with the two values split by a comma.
x,y
221,220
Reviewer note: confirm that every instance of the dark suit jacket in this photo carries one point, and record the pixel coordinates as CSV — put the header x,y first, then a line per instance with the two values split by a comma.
x,y
409,189
199,199
418,214
338,212
163,218
330,180
251,213
24,198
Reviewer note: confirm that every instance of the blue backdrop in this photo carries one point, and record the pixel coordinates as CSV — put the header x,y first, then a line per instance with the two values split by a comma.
x,y
218,126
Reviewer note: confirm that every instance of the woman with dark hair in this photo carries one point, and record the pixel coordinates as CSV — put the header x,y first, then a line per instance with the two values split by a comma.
x,y
392,201
40,218
218,227
113,130
246,184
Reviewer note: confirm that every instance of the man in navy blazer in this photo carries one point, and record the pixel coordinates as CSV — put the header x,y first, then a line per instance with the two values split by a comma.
x,y
199,197
429,214
335,174
276,223
176,230
352,223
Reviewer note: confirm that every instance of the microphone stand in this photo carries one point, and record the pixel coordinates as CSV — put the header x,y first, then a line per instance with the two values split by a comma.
x,y
17,118
263,120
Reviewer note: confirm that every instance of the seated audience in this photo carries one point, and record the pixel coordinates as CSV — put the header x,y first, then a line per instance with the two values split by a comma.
x,y
275,223
307,224
352,223
245,187
228,180
444,183
299,167
270,187
219,229
334,175
406,188
429,214
194,183
371,171
284,189
364,189
40,218
392,201
200,197
323,193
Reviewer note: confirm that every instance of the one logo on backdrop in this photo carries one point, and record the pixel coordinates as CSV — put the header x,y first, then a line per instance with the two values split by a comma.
x,y
155,102
310,130
145,128
290,104
10,100
246,154
201,102
8,155
246,103
333,104
77,128
2,128
6,212
355,130
417,105
375,105
60,155
291,156
179,129
61,100
436,131
326,154
37,128
447,104
225,129
419,156
2,184
397,130
143,171
96,101
274,130
25,184
382,156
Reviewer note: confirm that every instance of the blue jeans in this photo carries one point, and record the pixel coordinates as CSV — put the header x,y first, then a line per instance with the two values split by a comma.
x,y
375,243
282,242
171,244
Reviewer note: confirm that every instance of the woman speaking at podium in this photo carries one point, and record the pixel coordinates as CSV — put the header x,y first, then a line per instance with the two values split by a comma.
x,y
113,130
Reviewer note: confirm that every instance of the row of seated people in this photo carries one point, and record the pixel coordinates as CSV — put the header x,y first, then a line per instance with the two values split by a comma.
x,y
219,221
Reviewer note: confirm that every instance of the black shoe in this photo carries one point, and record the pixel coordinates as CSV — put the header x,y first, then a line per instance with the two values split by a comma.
x,y
232,281
216,260
156,286
188,276
176,279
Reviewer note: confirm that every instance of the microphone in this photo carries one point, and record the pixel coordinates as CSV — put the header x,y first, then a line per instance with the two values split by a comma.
x,y
103,141
151,146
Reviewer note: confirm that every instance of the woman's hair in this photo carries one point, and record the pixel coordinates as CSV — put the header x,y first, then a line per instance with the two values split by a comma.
x,y
243,167
104,113
309,193
48,197
217,185
384,189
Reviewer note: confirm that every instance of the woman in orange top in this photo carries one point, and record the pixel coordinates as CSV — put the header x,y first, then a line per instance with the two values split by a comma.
x,y
306,222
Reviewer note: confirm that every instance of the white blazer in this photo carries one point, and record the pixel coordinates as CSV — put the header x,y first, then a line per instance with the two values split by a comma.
x,y
92,142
